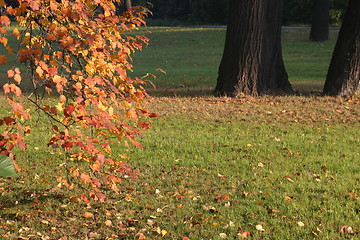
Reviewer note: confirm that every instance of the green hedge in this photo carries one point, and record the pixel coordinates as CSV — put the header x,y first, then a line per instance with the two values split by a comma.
x,y
215,11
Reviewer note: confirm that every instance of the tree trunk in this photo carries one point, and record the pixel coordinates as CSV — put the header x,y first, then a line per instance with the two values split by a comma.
x,y
343,78
128,4
252,59
320,21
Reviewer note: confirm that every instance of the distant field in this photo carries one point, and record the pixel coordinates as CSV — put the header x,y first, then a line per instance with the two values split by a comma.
x,y
191,57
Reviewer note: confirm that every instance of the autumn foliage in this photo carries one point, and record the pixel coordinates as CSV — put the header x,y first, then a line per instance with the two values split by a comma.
x,y
80,52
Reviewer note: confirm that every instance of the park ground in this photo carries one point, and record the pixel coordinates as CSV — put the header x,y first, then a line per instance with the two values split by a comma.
x,y
274,167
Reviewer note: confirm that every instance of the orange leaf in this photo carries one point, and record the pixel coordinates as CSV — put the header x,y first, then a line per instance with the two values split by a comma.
x,y
3,59
88,215
95,167
10,73
6,88
16,33
108,223
85,178
17,78
132,114
140,236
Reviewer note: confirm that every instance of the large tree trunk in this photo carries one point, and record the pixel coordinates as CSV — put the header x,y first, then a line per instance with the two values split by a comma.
x,y
343,77
320,21
252,60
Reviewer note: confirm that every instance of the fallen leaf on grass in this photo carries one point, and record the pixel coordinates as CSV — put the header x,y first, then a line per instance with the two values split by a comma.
x,y
260,228
288,178
163,232
287,198
140,236
209,208
301,224
223,235
347,230
108,223
88,215
222,198
244,235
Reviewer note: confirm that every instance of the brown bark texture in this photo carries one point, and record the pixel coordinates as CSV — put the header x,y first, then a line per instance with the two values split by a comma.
x,y
343,78
320,21
252,61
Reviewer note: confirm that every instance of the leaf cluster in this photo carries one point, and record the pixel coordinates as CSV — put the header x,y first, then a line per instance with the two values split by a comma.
x,y
79,52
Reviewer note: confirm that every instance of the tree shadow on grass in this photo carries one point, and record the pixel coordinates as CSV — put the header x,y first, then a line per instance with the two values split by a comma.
x,y
19,197
305,89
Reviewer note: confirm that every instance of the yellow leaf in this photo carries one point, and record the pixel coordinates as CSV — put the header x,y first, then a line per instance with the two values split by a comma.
x,y
102,106
2,3
59,107
163,232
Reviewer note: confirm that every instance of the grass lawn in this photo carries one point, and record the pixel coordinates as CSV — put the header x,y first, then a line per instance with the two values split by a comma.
x,y
191,58
212,168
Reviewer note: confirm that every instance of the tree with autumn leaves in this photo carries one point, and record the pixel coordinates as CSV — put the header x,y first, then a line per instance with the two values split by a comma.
x,y
81,57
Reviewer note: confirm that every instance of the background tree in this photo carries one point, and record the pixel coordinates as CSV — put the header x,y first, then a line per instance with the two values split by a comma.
x,y
252,59
343,77
320,21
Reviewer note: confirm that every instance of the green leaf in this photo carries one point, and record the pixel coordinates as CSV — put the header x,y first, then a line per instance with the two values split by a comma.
x,y
7,167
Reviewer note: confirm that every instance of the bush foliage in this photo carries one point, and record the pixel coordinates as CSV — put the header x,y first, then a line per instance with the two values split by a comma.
x,y
80,53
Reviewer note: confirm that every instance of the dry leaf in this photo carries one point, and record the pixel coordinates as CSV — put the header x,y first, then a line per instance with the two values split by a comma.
x,y
260,228
88,215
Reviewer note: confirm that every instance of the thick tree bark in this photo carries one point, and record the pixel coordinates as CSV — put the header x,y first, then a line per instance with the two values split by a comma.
x,y
343,77
252,59
320,21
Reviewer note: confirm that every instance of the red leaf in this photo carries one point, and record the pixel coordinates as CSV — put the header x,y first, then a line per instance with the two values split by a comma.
x,y
67,145
4,20
34,5
144,125
9,120
68,110
101,196
96,182
222,198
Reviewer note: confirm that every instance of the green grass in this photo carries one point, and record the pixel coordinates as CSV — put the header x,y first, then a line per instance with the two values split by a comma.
x,y
191,57
200,151
211,167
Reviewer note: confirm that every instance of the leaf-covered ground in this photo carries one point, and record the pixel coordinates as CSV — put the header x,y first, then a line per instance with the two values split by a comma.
x,y
212,168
